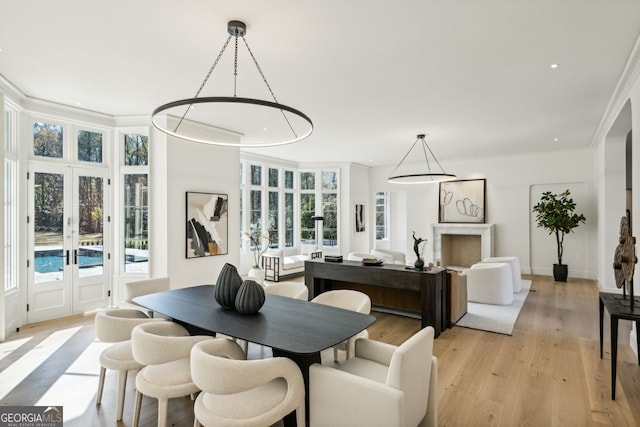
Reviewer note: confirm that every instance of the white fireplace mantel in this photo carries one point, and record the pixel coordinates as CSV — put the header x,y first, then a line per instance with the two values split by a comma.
x,y
485,231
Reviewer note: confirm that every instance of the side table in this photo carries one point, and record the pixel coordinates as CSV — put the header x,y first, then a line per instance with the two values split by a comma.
x,y
618,308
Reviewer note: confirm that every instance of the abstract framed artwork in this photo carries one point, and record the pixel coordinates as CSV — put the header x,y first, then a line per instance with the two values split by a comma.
x,y
360,224
462,201
207,230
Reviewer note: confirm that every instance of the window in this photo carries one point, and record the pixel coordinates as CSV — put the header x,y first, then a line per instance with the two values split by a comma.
x,y
255,211
307,207
10,200
135,187
275,198
288,220
89,146
288,180
256,175
273,178
289,231
136,150
330,208
382,216
47,140
273,208
136,223
273,220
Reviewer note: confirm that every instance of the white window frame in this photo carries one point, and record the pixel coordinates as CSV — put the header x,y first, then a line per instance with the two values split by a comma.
x,y
124,170
11,200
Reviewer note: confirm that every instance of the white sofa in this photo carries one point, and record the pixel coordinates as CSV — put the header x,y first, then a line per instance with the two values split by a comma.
x,y
359,256
276,264
397,256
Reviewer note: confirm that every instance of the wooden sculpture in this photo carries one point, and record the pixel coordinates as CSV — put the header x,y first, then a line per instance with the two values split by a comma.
x,y
625,259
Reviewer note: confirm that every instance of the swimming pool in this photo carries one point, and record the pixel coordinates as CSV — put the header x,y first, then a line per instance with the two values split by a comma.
x,y
50,261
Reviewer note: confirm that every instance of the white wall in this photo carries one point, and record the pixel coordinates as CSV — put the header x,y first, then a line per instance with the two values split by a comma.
x,y
359,194
200,168
508,205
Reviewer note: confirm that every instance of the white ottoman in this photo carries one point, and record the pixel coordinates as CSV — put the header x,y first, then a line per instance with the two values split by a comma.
x,y
489,283
515,269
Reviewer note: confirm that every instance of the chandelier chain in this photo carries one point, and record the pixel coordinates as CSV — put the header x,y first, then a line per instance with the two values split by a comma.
x,y
215,63
235,68
204,82
255,61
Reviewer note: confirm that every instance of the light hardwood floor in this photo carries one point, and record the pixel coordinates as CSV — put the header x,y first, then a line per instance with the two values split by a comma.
x,y
549,373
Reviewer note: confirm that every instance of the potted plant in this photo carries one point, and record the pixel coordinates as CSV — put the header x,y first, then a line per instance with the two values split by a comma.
x,y
258,246
555,212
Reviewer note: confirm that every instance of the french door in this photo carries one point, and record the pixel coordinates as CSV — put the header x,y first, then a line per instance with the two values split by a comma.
x,y
69,241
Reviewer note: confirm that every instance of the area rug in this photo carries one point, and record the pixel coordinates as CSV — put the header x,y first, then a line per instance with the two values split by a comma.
x,y
495,318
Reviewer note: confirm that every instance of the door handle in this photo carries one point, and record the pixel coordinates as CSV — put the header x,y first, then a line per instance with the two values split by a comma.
x,y
67,256
75,256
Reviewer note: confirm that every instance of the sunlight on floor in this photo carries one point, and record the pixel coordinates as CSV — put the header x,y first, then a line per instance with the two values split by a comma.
x,y
21,368
9,347
82,379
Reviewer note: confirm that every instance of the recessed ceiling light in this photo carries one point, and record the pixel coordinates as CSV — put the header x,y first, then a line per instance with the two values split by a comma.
x,y
555,139
554,66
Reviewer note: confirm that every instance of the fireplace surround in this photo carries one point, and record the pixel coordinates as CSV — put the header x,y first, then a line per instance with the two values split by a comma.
x,y
464,238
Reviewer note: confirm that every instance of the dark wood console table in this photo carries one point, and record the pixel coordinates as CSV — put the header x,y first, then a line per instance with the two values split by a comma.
x,y
618,308
429,287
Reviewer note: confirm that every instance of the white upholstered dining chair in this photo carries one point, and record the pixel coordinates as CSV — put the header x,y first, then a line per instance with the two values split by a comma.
x,y
382,386
141,287
296,290
349,300
247,393
165,350
115,326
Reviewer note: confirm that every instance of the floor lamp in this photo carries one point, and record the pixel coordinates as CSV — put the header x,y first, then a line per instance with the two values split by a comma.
x,y
317,253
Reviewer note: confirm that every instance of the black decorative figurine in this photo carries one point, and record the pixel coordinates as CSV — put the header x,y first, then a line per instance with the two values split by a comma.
x,y
419,264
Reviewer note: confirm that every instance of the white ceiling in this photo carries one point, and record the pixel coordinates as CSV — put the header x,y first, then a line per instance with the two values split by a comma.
x,y
474,75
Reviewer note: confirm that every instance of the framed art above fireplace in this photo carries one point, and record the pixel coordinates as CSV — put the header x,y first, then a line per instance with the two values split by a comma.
x,y
462,201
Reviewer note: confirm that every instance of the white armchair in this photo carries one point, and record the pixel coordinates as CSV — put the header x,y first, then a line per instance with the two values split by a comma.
x,y
515,269
383,385
489,283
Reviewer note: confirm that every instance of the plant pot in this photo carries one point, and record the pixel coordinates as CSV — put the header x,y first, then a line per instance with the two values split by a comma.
x,y
560,272
256,273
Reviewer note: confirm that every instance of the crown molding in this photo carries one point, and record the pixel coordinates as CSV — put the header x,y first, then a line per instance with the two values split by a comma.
x,y
628,79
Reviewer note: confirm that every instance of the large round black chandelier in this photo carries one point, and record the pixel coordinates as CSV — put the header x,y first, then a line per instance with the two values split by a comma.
x,y
425,176
295,133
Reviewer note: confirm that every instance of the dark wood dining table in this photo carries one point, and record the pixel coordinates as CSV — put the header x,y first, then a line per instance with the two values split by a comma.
x,y
293,328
